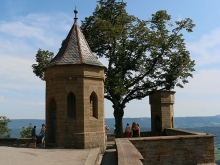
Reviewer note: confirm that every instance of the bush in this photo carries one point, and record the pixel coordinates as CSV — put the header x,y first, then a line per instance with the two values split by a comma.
x,y
4,130
26,131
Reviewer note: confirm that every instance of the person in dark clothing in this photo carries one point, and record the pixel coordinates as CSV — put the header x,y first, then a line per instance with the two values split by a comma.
x,y
33,132
135,130
158,127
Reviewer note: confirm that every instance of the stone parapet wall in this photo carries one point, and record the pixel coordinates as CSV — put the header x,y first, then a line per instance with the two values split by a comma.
x,y
182,149
146,134
18,142
174,132
127,153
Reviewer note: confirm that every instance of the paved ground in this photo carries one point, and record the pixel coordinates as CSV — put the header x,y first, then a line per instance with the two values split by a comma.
x,y
28,156
48,156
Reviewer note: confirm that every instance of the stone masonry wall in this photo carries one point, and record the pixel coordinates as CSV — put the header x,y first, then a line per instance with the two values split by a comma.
x,y
18,142
161,110
83,131
182,150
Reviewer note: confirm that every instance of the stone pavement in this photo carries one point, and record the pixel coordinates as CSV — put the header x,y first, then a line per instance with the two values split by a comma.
x,y
51,156
46,156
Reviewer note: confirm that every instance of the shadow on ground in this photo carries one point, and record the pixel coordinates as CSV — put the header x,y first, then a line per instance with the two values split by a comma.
x,y
110,156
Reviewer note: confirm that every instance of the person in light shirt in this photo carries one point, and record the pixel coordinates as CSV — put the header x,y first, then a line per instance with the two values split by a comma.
x,y
127,131
105,129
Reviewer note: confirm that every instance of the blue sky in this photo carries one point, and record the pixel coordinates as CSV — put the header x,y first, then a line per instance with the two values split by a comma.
x,y
28,25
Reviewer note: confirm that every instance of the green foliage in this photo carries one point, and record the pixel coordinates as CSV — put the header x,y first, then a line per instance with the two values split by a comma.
x,y
43,57
143,55
26,131
217,156
4,130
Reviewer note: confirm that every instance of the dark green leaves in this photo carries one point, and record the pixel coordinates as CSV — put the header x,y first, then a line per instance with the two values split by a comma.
x,y
4,130
143,55
26,131
43,57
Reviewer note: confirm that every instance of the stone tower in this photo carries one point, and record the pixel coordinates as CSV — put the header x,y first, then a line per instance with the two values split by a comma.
x,y
75,95
162,112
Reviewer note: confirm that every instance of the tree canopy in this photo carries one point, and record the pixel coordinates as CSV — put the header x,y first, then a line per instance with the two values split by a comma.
x,y
4,130
143,55
43,57
26,131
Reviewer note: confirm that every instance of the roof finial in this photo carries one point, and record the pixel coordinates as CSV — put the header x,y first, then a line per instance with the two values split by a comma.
x,y
75,19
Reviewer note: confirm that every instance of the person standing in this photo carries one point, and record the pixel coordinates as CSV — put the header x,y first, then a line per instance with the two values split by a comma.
x,y
157,127
43,136
139,127
135,130
115,131
127,131
105,129
33,132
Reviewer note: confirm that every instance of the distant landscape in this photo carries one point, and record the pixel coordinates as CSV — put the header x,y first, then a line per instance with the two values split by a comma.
x,y
209,124
201,124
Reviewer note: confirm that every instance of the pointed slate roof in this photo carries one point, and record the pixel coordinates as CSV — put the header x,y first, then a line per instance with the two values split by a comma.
x,y
75,50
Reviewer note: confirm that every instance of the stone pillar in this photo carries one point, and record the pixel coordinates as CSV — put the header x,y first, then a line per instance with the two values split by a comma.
x,y
162,112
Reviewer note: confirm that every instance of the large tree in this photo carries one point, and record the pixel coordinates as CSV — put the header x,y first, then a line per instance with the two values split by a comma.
x,y
43,57
143,55
4,130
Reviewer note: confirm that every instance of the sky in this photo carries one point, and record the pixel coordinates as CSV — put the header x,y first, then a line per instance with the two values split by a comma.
x,y
27,25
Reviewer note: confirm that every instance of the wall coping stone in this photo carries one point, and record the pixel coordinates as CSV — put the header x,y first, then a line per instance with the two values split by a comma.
x,y
207,164
127,153
186,132
93,157
171,137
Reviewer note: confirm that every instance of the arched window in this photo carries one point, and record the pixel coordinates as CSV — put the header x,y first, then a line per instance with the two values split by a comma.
x,y
93,105
71,106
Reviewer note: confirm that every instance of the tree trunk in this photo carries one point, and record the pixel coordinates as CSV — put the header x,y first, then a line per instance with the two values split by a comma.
x,y
118,114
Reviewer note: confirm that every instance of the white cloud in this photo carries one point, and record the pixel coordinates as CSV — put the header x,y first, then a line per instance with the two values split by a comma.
x,y
16,47
204,82
17,73
20,39
207,50
201,96
44,28
56,21
196,106
20,30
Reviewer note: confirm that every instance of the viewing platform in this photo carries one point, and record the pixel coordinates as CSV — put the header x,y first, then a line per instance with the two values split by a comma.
x,y
174,147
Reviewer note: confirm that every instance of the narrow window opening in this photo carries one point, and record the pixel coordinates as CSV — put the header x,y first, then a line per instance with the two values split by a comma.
x,y
71,106
93,105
